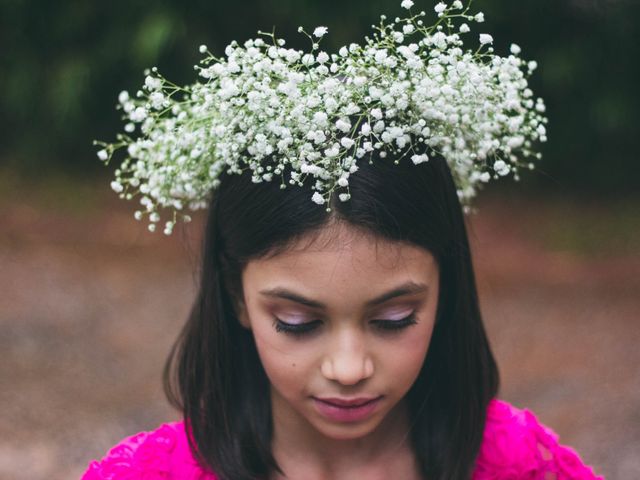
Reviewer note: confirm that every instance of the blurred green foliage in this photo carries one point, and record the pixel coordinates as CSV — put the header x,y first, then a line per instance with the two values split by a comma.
x,y
63,64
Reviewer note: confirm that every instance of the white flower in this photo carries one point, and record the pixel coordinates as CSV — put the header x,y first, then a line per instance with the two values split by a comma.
x,y
333,151
317,198
320,118
117,186
351,109
501,167
440,40
322,57
479,17
343,126
292,56
464,28
440,7
346,142
457,5
320,32
157,100
103,155
123,97
380,55
359,81
408,28
152,83
138,115
203,48
406,4
515,142
515,49
376,92
416,159
312,169
485,38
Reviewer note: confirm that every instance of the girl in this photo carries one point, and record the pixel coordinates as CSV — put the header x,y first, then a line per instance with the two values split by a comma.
x,y
342,341
339,345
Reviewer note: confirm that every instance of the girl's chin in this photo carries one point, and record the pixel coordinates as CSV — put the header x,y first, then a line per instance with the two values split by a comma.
x,y
346,431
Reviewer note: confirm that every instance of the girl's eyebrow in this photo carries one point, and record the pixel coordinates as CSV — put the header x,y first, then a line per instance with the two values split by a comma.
x,y
408,288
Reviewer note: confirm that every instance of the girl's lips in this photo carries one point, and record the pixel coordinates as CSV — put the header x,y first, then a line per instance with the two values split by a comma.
x,y
347,402
358,410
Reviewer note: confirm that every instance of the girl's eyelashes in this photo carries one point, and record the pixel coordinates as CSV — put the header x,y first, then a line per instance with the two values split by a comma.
x,y
295,329
300,329
396,324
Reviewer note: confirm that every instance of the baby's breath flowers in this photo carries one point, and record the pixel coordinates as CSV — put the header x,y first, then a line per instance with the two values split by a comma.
x,y
409,90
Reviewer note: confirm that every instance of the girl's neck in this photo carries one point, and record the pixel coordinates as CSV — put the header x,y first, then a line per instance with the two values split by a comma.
x,y
303,452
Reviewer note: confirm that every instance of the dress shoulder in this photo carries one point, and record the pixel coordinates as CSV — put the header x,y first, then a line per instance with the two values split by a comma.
x,y
163,453
517,446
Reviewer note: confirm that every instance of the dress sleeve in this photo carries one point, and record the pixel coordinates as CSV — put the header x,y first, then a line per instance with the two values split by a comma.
x,y
517,445
159,454
558,462
119,462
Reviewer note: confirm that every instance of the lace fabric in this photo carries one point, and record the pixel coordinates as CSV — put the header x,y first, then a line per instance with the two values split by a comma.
x,y
516,446
160,454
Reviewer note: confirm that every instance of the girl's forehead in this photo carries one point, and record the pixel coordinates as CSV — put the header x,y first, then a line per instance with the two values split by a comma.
x,y
344,254
340,237
344,240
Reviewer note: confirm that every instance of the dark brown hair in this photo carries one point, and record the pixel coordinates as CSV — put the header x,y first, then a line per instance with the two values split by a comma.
x,y
214,374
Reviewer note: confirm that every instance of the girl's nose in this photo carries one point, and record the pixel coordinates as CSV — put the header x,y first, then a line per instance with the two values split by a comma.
x,y
347,361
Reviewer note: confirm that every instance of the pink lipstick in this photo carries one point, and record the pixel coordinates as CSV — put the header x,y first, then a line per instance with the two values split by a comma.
x,y
346,410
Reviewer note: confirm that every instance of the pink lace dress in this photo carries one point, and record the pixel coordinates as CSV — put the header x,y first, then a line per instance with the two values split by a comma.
x,y
515,447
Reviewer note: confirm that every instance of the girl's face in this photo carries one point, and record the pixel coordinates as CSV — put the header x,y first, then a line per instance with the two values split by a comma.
x,y
341,316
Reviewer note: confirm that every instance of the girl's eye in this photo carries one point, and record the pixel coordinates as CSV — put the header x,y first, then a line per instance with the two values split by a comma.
x,y
396,324
300,329
295,328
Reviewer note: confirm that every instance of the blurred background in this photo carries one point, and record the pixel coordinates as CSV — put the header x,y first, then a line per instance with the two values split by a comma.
x,y
90,301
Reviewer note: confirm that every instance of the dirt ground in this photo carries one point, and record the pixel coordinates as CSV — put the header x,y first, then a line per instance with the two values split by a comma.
x,y
90,303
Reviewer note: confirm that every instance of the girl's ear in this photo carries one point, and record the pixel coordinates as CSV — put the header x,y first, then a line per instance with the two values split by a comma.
x,y
241,312
236,297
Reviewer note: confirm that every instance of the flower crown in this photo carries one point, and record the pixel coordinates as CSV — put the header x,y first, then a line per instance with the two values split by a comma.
x,y
409,90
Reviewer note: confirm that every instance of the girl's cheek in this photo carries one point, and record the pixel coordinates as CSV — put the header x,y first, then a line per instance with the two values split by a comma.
x,y
280,353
